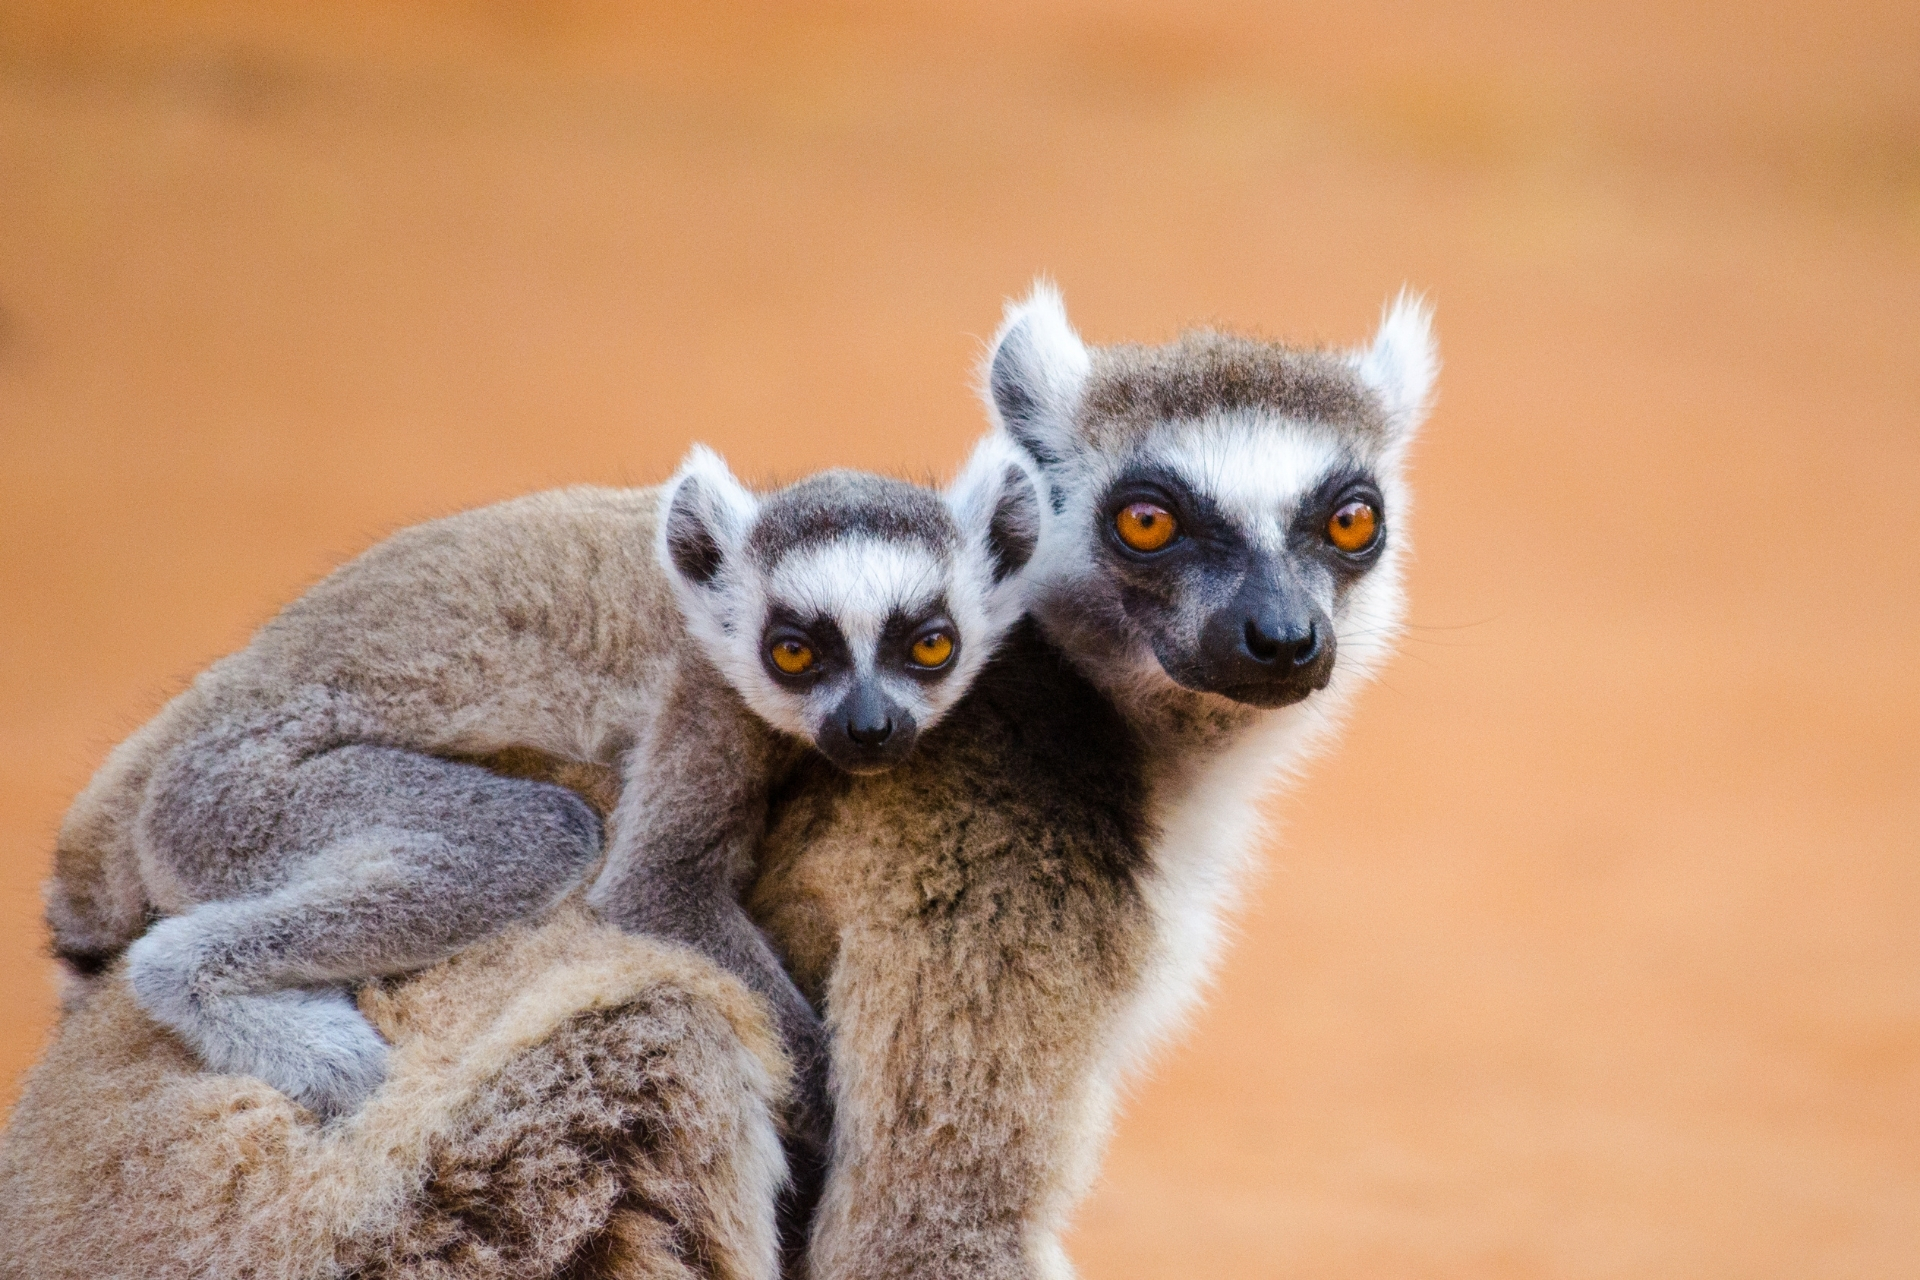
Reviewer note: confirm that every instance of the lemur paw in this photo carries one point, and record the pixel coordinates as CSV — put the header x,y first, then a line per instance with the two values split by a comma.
x,y
311,1044
331,1059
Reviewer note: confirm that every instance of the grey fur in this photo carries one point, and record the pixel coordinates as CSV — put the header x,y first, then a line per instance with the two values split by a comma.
x,y
319,864
841,503
1132,389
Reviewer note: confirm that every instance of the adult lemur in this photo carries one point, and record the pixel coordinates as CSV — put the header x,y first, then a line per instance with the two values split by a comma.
x,y
1002,926
309,812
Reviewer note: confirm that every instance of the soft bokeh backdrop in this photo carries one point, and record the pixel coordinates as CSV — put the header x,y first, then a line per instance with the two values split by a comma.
x,y
1594,951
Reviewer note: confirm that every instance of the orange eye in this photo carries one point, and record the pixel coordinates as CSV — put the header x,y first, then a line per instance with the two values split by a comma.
x,y
1353,526
1145,527
791,656
933,649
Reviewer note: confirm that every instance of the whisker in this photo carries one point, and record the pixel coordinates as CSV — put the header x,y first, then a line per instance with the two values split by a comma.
x,y
1453,626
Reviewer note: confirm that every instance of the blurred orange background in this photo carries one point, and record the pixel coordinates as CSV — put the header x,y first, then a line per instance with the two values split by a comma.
x,y
1593,951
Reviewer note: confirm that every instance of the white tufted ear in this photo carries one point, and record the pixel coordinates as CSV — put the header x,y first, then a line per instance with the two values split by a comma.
x,y
1034,375
707,518
1402,363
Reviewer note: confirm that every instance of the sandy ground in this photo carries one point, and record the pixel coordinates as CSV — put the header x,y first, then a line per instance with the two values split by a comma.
x,y
1592,952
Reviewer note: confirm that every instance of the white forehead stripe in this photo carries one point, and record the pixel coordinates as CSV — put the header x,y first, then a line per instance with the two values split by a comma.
x,y
859,583
1254,466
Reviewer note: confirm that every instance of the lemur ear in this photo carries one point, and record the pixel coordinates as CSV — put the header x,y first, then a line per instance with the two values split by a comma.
x,y
1401,364
1034,375
996,502
708,514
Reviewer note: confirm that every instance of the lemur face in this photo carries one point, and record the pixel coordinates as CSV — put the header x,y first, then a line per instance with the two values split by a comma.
x,y
850,609
1231,547
1222,508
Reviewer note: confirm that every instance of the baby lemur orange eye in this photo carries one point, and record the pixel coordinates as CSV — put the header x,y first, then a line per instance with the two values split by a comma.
x,y
792,656
1144,526
932,649
1352,527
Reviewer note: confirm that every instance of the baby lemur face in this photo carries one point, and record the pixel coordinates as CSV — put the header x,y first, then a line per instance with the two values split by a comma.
x,y
851,609
1225,507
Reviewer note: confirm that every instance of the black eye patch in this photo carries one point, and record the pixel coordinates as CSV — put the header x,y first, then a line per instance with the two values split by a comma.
x,y
903,630
1308,532
1200,519
819,633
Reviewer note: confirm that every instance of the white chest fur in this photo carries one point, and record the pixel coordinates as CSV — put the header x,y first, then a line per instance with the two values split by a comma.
x,y
1205,810
1208,821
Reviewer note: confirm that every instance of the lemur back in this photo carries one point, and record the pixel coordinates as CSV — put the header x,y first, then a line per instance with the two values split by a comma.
x,y
314,810
475,633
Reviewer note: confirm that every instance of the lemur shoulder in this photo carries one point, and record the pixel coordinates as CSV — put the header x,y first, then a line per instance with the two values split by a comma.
x,y
1000,929
336,802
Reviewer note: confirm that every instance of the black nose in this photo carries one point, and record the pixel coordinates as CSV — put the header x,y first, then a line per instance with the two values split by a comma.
x,y
870,734
1277,645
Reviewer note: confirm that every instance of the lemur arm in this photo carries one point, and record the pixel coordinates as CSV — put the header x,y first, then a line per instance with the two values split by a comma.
x,y
684,840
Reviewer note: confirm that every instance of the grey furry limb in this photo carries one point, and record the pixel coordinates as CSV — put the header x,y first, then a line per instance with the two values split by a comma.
x,y
373,861
683,848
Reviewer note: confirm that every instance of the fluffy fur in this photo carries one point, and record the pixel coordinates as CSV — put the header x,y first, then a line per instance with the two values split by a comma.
x,y
564,1101
1006,925
310,812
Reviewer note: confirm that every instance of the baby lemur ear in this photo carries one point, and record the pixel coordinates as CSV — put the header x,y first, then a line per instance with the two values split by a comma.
x,y
1034,374
1401,364
708,515
996,502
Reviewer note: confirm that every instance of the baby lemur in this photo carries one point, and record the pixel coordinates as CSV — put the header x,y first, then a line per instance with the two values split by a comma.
x,y
1006,924
310,813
